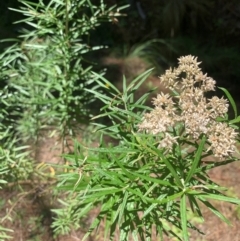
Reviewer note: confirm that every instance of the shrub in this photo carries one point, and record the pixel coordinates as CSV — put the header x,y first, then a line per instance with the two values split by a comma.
x,y
44,76
151,182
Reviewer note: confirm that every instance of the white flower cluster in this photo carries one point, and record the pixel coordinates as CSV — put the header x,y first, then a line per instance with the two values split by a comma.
x,y
191,108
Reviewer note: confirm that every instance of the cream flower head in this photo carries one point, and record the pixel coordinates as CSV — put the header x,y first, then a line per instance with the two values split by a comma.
x,y
197,114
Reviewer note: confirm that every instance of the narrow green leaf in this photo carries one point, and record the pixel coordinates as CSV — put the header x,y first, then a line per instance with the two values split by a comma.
x,y
123,234
183,211
194,206
171,198
152,179
148,234
158,153
121,7
95,223
129,174
124,88
112,232
35,46
106,206
84,210
168,229
142,99
125,113
147,211
101,192
169,166
112,175
112,150
122,207
106,84
220,198
135,235
91,6
138,193
215,211
153,200
139,80
3,181
105,99
196,159
159,229
150,189
236,120
102,115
